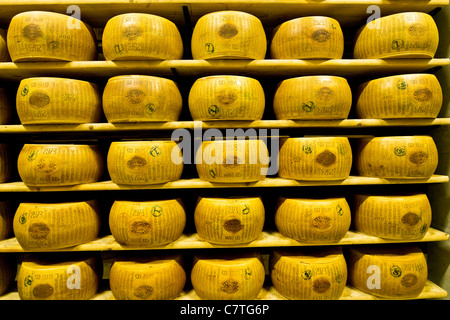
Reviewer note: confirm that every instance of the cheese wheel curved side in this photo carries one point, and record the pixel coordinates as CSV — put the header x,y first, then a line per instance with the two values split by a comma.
x,y
6,219
8,271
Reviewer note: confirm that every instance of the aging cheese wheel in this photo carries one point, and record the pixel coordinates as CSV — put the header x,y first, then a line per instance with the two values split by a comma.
x,y
312,98
6,219
394,272
144,162
141,36
136,98
46,100
313,220
228,35
232,160
4,54
147,278
8,270
401,35
6,107
402,157
49,36
393,217
315,158
5,162
229,221
233,277
147,223
226,98
319,274
400,96
56,225
314,37
42,165
58,278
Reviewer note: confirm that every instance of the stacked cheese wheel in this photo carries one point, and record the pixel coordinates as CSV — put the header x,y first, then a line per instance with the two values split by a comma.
x,y
6,219
6,113
5,162
137,98
8,270
4,54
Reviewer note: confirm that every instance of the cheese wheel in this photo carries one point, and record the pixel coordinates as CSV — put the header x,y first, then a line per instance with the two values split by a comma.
x,y
6,220
141,36
136,98
313,220
49,36
393,217
314,37
401,35
319,274
4,54
228,35
46,100
5,162
232,161
229,221
232,277
226,98
312,98
394,272
315,158
147,223
147,278
58,278
8,270
6,107
402,157
42,165
144,162
56,225
400,96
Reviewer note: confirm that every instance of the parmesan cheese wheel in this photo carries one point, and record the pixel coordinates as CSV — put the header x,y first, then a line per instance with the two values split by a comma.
x,y
49,36
5,162
147,278
6,107
401,35
6,219
389,272
315,158
226,98
141,36
312,98
58,278
313,220
234,277
393,217
314,37
232,160
42,165
56,225
137,98
229,221
4,54
402,157
309,275
45,100
8,270
228,35
144,162
147,223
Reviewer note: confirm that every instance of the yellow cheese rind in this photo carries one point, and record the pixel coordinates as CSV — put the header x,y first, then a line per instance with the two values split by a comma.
x,y
47,100
49,36
6,219
397,157
47,278
147,223
315,37
230,161
228,35
136,98
315,158
226,98
312,98
42,165
144,162
313,220
310,275
141,36
56,225
4,54
393,217
147,278
229,221
394,272
237,277
5,162
401,35
8,270
6,107
400,96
